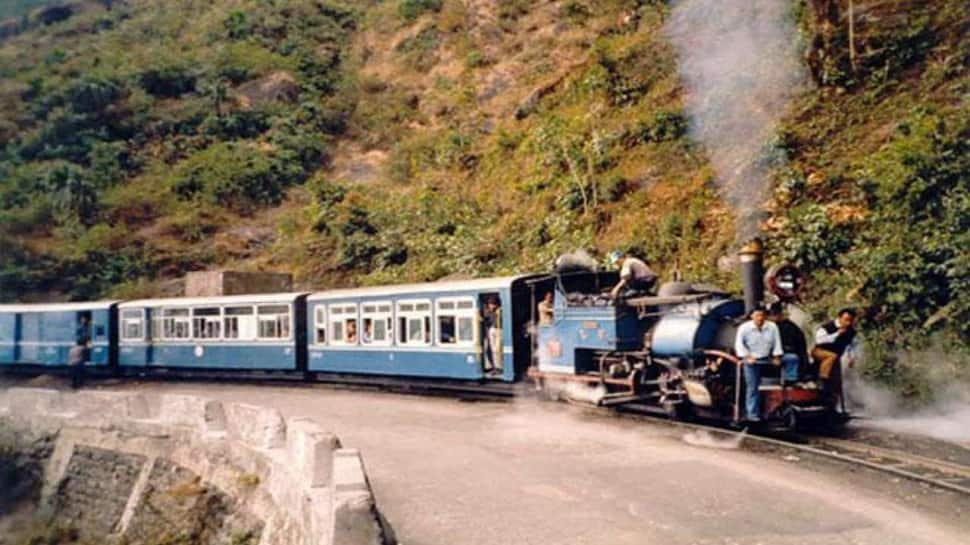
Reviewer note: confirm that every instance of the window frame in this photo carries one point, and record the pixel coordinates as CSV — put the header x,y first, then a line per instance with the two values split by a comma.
x,y
208,319
377,314
458,314
289,321
176,319
342,316
252,329
403,337
142,322
318,311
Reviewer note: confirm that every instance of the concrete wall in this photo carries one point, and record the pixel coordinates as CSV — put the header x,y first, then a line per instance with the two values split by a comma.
x,y
213,283
296,477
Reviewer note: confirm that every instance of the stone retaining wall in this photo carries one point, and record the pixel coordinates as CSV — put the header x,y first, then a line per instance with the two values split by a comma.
x,y
290,474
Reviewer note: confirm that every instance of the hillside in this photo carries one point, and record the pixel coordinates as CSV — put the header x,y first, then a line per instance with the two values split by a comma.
x,y
373,142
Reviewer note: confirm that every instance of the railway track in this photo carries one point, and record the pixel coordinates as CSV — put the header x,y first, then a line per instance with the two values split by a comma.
x,y
942,474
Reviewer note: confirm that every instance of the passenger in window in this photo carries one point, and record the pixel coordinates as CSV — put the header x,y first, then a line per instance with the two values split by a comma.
x,y
351,331
368,331
447,326
546,312
492,324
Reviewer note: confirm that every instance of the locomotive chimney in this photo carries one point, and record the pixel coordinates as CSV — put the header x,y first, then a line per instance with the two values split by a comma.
x,y
752,273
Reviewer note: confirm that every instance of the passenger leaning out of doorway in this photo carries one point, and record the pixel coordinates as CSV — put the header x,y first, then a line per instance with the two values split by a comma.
x,y
492,324
547,309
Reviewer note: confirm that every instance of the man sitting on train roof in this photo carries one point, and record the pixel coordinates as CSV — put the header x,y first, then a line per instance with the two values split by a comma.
x,y
635,275
757,343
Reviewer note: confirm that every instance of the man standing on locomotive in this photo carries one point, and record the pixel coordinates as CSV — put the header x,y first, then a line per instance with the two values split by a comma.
x,y
635,274
758,342
792,342
836,342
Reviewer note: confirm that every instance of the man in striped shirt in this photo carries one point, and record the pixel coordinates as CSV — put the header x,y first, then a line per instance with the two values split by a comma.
x,y
757,343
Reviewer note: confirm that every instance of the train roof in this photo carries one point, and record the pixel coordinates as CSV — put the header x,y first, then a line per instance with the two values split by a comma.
x,y
474,284
214,300
56,307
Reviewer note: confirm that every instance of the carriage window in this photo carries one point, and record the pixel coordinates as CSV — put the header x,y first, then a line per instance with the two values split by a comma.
x,y
378,323
238,323
132,325
456,322
273,321
175,323
206,323
414,323
343,324
320,325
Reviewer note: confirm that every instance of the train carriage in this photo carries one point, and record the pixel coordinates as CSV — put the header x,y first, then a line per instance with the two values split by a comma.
x,y
431,330
42,334
238,332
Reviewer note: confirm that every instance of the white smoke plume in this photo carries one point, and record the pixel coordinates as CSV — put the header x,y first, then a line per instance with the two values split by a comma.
x,y
947,419
704,438
740,65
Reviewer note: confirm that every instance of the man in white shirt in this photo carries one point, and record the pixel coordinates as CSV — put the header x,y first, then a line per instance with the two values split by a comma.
x,y
757,343
836,343
635,274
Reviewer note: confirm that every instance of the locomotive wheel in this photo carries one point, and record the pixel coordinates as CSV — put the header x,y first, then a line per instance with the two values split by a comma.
x,y
678,412
789,416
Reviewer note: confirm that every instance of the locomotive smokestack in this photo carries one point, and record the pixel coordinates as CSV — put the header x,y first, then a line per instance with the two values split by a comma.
x,y
752,273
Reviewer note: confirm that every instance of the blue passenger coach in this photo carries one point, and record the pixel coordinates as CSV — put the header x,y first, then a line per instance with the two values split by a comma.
x,y
429,330
251,332
42,334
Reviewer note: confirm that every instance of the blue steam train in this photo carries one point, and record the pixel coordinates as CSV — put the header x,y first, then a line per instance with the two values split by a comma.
x,y
671,353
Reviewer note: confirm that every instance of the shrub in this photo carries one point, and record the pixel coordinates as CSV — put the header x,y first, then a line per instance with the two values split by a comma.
x,y
664,127
237,25
235,175
410,10
92,94
168,80
812,241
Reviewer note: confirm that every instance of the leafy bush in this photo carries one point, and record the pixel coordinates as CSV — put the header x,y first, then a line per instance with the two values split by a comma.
x,y
812,241
168,80
235,175
917,277
664,126
410,10
92,94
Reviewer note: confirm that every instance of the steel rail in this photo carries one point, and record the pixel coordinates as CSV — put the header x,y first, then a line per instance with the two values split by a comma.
x,y
950,471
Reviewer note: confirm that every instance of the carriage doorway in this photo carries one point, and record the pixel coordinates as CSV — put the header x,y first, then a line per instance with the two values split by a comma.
x,y
491,335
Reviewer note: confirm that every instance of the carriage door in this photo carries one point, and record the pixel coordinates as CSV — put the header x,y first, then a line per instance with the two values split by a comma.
x,y
492,318
84,326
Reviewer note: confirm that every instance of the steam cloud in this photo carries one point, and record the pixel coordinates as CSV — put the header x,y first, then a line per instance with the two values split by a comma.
x,y
740,64
948,418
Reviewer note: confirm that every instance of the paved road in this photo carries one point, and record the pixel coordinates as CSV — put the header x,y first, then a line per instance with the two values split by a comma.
x,y
452,472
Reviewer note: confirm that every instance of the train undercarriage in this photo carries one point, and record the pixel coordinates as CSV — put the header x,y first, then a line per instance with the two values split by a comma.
x,y
709,388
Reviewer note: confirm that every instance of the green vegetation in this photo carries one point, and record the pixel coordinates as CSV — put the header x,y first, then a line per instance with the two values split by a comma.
x,y
186,116
398,141
15,8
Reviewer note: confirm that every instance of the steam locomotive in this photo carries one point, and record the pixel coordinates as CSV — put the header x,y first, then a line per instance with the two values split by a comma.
x,y
671,352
